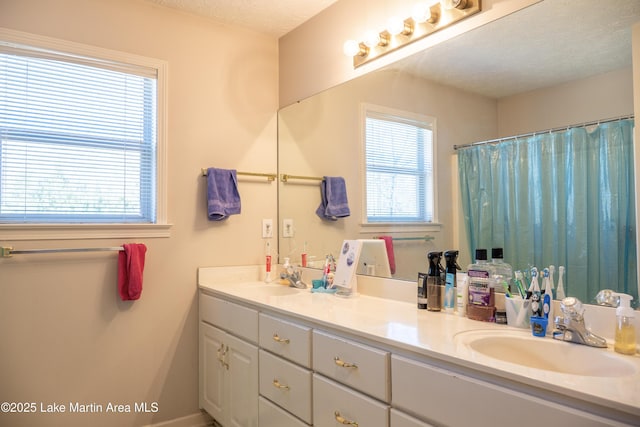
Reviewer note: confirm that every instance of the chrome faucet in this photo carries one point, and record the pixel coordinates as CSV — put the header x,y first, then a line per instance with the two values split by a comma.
x,y
294,277
570,326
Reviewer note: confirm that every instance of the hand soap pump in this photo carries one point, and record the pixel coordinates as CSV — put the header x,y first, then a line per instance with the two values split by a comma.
x,y
625,338
435,283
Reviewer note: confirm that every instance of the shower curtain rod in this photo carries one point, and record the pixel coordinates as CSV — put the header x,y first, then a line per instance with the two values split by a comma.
x,y
526,135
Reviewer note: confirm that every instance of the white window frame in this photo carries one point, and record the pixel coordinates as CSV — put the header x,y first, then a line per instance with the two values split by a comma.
x,y
91,54
399,227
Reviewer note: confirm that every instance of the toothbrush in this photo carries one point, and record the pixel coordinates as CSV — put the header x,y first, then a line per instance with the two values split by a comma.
x,y
546,282
560,290
552,270
548,294
519,285
536,307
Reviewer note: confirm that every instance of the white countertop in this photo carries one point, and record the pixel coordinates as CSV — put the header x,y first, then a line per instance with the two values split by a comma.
x,y
432,334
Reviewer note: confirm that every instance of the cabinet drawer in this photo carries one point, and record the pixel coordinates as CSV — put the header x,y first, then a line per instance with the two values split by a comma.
x,y
271,415
236,319
293,342
286,384
356,365
335,404
399,419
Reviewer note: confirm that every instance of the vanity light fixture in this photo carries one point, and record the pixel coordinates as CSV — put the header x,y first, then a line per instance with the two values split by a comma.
x,y
426,18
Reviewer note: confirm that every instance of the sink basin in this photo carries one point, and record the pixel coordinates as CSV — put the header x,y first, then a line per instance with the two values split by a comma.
x,y
521,348
275,290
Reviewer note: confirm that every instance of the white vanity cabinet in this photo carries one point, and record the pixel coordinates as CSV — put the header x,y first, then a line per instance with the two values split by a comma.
x,y
228,362
448,398
265,364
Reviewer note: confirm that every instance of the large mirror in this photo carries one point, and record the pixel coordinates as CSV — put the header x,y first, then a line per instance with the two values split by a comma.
x,y
550,65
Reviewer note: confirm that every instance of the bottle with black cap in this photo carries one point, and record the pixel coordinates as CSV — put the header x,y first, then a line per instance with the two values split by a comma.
x,y
481,304
435,284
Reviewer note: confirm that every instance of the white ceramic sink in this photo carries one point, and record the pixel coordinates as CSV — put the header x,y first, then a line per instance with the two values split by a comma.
x,y
521,348
275,290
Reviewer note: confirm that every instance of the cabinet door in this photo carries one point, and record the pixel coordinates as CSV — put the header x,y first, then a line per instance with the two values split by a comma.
x,y
212,371
242,383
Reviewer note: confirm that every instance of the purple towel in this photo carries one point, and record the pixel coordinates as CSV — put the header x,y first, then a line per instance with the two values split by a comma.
x,y
223,198
334,204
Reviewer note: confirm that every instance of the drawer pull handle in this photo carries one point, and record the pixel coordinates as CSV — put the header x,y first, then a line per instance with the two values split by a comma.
x,y
343,420
344,364
277,384
276,338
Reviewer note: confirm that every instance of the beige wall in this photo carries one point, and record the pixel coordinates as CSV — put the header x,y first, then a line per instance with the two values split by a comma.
x,y
311,58
65,336
595,98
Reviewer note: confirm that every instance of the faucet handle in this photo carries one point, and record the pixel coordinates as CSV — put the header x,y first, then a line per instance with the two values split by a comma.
x,y
572,307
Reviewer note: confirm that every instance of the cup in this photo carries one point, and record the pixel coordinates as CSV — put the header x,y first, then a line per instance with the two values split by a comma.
x,y
518,312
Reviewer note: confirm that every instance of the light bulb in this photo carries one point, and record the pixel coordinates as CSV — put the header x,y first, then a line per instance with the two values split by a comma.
x,y
351,47
421,13
395,25
371,38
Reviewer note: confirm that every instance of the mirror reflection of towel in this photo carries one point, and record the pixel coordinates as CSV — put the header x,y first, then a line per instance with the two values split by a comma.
x,y
388,243
223,198
334,204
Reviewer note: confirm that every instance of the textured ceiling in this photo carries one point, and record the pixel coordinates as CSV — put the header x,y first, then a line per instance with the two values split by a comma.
x,y
275,17
546,44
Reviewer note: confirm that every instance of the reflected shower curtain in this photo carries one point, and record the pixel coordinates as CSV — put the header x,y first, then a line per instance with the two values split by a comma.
x,y
559,198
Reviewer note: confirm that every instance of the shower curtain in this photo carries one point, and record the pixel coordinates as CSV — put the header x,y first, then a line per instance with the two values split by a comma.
x,y
562,198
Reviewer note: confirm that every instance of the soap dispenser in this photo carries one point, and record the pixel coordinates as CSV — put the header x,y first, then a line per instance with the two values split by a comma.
x,y
625,338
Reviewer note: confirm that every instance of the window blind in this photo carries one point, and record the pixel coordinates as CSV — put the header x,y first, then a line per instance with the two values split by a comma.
x,y
399,169
77,142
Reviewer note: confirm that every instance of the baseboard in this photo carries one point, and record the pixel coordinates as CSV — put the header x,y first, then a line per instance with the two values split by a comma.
x,y
201,419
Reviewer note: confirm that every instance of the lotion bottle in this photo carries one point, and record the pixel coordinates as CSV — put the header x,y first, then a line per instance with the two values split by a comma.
x,y
625,338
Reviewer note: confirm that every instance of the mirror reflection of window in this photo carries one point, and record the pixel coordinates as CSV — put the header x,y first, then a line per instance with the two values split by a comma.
x,y
399,179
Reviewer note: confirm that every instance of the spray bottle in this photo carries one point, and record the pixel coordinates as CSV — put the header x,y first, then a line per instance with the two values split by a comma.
x,y
451,267
435,284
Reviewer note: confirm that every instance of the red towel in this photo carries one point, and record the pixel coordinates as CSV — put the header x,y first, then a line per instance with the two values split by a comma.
x,y
388,243
130,269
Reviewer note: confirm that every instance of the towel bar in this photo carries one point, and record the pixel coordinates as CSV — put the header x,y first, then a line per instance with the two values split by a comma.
x,y
7,251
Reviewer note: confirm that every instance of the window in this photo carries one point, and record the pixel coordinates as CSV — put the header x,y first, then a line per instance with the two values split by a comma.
x,y
78,139
399,167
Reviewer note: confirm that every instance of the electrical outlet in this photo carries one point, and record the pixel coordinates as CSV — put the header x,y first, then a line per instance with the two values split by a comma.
x,y
267,228
287,227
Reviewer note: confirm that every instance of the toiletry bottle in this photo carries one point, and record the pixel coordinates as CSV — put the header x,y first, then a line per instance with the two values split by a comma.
x,y
303,256
625,338
422,291
481,303
462,294
267,277
435,284
502,275
502,272
450,270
